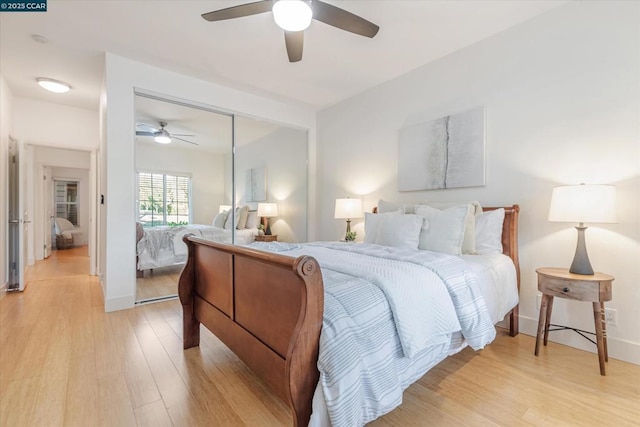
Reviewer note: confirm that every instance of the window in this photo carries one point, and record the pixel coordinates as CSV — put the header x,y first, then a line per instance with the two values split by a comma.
x,y
163,199
66,200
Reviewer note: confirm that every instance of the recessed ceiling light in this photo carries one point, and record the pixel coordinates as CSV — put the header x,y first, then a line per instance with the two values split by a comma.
x,y
53,85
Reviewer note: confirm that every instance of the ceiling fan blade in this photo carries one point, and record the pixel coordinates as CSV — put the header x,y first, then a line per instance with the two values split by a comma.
x,y
190,142
148,127
294,41
247,9
142,133
180,134
340,18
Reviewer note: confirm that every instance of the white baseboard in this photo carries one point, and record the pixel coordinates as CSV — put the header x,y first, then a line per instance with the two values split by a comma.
x,y
618,349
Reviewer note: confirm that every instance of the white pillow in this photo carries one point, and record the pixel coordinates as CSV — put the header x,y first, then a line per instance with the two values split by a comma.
x,y
372,224
469,242
252,220
489,232
443,231
242,218
400,231
220,219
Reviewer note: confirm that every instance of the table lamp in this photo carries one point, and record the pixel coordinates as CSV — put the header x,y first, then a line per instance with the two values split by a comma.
x,y
266,211
583,203
346,209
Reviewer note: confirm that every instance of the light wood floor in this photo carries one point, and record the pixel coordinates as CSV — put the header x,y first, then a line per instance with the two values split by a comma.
x,y
158,283
63,361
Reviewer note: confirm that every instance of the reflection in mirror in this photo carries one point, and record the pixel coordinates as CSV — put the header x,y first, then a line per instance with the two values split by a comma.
x,y
271,177
182,155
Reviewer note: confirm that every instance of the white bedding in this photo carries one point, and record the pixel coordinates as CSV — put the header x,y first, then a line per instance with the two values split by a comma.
x,y
163,246
381,303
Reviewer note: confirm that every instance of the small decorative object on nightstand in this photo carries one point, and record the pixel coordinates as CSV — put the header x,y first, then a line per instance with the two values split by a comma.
x,y
559,282
267,238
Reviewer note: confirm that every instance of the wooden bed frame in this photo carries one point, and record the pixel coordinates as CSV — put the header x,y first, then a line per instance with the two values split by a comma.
x,y
267,308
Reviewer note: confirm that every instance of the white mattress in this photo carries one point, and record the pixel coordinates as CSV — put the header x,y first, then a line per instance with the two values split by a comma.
x,y
498,282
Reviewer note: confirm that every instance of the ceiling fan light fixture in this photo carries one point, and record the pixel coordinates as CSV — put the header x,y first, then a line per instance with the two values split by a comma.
x,y
163,137
292,15
52,85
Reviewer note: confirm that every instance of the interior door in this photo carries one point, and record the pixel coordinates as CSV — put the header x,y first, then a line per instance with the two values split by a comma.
x,y
47,202
17,233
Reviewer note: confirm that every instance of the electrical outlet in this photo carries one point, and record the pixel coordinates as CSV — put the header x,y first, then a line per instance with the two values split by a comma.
x,y
611,316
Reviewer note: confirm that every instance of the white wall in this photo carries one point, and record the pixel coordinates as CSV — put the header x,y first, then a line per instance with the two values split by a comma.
x,y
55,125
6,128
122,77
563,106
206,171
283,154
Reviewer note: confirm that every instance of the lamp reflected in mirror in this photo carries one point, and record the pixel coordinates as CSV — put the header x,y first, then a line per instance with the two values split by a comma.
x,y
266,211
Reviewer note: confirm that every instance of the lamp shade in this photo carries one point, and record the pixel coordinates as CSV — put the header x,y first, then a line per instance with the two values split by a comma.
x,y
583,203
348,208
267,209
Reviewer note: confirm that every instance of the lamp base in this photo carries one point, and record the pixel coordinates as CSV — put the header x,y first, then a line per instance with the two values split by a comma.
x,y
267,227
348,228
581,263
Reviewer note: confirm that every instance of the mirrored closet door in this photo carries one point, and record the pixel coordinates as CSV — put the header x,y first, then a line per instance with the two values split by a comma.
x,y
189,180
183,164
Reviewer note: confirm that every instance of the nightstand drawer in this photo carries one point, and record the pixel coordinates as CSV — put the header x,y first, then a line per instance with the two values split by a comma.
x,y
577,290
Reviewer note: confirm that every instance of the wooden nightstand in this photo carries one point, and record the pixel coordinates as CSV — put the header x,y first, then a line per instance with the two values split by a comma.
x,y
558,282
267,238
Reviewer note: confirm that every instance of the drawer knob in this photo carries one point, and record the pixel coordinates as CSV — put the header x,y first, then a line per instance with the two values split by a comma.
x,y
565,289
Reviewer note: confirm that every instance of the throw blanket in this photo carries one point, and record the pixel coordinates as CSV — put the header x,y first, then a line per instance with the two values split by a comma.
x,y
170,238
388,314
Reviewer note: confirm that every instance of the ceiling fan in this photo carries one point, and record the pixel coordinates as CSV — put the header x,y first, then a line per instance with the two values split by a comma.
x,y
161,135
294,16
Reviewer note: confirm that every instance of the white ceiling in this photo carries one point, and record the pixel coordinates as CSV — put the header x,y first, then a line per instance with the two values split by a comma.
x,y
246,53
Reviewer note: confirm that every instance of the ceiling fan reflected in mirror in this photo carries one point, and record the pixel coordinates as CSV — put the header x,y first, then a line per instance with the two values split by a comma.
x,y
294,16
161,135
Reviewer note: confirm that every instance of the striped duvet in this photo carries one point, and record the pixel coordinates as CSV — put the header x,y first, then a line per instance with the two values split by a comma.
x,y
389,314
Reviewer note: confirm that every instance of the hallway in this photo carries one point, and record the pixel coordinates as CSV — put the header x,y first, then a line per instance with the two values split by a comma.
x,y
61,263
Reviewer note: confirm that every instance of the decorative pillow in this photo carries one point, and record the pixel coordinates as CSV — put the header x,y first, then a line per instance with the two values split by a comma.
x,y
220,219
372,224
469,242
243,214
443,231
400,231
489,232
252,220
